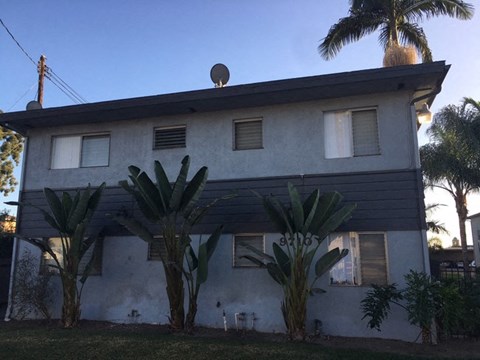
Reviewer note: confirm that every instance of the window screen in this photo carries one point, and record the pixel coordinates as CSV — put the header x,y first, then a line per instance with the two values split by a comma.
x,y
156,249
373,259
248,134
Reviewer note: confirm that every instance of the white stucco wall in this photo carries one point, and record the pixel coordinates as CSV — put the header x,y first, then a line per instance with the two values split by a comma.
x,y
130,282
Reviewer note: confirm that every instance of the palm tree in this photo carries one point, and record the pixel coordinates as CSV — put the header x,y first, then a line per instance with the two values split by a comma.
x,y
451,161
434,225
397,21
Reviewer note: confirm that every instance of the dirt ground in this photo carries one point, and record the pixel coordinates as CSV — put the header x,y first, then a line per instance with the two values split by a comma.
x,y
452,348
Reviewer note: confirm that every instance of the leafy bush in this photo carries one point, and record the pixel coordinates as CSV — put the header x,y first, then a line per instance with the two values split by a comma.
x,y
33,292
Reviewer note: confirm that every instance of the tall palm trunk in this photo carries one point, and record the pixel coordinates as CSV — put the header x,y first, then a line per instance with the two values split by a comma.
x,y
462,212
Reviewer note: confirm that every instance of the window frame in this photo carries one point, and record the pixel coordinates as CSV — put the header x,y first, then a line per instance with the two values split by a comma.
x,y
149,255
45,269
358,261
351,132
82,136
234,132
169,127
234,247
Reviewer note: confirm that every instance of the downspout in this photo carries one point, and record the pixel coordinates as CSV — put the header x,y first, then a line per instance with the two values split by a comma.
x,y
423,232
16,244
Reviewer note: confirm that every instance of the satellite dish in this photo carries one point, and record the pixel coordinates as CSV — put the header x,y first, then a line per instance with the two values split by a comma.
x,y
34,105
219,75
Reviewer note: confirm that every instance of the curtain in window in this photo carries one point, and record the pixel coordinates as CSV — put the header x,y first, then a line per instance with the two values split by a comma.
x,y
338,134
95,150
65,152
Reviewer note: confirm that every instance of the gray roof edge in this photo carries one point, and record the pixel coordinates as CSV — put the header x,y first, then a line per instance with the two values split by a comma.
x,y
242,89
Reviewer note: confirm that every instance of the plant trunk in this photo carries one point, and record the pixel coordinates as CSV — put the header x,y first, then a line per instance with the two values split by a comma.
x,y
192,312
462,212
71,303
175,293
426,335
294,305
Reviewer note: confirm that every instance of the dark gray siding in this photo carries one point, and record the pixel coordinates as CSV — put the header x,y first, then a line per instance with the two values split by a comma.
x,y
385,201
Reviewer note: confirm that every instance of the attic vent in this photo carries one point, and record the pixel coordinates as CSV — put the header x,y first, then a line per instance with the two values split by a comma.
x,y
170,137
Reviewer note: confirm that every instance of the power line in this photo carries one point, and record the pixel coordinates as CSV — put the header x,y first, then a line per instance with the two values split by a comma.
x,y
65,85
50,75
18,44
21,97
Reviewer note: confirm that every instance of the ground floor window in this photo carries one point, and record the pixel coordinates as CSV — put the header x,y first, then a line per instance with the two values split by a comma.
x,y
366,262
49,266
240,249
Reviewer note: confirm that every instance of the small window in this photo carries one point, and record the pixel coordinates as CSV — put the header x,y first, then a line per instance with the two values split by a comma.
x,y
365,263
248,134
170,137
351,133
156,249
48,265
69,152
239,248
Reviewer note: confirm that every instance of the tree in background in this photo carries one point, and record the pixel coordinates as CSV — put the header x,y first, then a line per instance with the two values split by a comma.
x,y
10,149
451,161
434,225
397,21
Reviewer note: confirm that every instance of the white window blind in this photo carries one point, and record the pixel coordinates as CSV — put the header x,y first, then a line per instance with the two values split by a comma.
x,y
95,150
366,262
338,134
248,134
365,133
240,250
351,133
171,137
66,152
70,152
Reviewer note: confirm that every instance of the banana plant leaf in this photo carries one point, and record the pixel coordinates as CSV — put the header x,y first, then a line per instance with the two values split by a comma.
x,y
328,260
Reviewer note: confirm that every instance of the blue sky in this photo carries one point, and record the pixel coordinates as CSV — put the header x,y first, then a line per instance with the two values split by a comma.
x,y
120,49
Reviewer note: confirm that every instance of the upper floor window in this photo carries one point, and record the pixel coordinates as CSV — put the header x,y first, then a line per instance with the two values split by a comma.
x,y
247,134
239,248
170,137
366,262
80,151
351,133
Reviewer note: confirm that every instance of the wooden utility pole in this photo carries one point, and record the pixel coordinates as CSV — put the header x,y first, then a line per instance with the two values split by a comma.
x,y
41,76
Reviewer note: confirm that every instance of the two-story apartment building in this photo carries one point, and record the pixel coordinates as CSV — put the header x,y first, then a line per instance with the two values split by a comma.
x,y
353,132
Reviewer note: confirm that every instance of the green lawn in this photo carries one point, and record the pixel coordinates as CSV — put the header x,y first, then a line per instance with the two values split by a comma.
x,y
53,343
49,342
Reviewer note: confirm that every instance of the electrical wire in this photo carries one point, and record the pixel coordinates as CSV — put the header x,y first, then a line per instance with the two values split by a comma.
x,y
50,75
57,78
21,97
18,44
